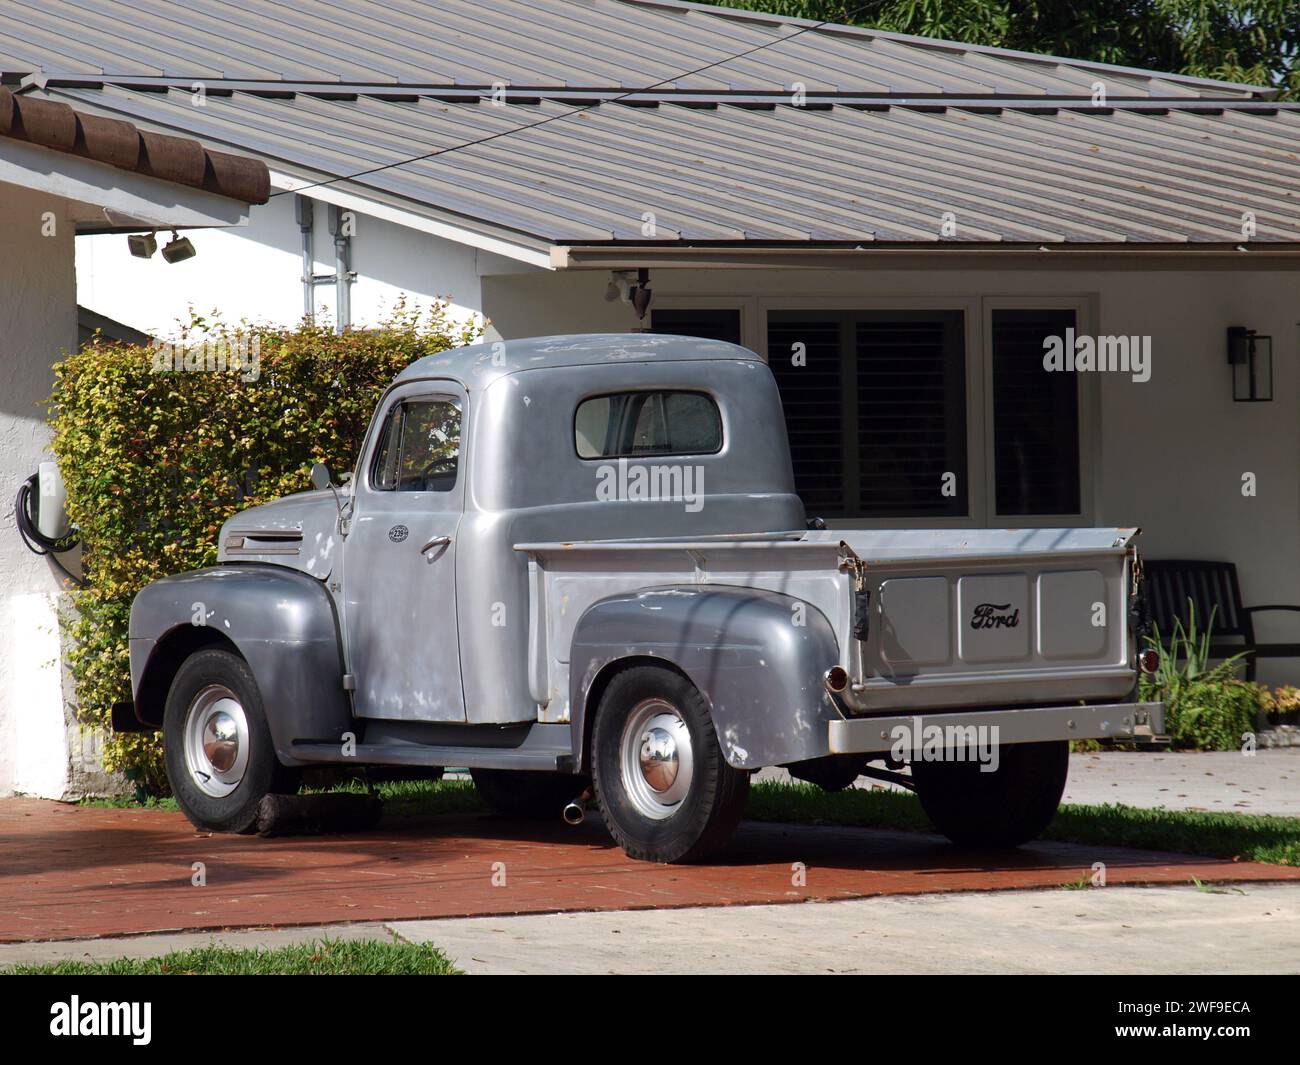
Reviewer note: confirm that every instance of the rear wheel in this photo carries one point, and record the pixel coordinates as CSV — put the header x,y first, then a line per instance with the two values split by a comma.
x,y
220,758
1004,808
524,794
664,787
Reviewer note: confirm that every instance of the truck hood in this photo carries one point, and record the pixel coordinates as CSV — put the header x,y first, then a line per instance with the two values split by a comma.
x,y
298,532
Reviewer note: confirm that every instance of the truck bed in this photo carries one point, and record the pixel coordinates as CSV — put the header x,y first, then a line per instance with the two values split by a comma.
x,y
955,618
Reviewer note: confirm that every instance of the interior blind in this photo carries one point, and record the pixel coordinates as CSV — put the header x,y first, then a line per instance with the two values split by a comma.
x,y
911,415
809,379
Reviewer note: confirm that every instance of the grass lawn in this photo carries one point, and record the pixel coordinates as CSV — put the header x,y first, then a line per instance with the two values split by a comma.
x,y
329,957
1254,837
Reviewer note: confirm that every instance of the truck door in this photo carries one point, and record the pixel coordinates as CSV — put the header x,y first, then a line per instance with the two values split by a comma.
x,y
399,596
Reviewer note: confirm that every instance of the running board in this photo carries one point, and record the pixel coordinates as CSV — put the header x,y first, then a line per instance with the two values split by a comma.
x,y
540,750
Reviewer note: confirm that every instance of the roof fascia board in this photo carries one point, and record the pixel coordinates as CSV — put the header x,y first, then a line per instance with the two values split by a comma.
x,y
126,199
366,203
1279,256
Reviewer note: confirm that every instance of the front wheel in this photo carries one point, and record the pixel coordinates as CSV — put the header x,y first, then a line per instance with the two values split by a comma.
x,y
1004,808
665,789
221,761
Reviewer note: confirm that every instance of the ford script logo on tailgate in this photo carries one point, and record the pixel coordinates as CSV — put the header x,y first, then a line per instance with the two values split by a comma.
x,y
995,616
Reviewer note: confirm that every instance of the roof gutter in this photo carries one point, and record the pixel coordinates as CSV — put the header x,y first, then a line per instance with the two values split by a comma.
x,y
1272,255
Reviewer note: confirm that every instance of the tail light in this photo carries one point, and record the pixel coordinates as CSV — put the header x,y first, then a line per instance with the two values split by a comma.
x,y
1149,660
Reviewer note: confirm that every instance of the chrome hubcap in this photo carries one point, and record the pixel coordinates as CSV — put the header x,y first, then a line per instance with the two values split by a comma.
x,y
216,740
657,759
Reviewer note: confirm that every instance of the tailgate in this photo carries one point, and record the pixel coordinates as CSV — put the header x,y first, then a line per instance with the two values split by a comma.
x,y
993,618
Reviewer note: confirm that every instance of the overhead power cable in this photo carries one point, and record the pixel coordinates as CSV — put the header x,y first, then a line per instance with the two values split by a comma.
x,y
573,111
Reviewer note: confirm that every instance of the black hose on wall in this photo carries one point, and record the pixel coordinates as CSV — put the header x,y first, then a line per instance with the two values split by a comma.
x,y
33,540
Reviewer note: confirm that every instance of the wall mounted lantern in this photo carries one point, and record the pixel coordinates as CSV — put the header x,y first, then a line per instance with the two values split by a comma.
x,y
1251,358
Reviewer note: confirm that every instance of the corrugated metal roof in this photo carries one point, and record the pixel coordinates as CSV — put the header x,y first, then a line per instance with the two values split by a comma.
x,y
532,43
898,131
846,174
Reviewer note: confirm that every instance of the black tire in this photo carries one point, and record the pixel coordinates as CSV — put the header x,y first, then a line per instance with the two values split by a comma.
x,y
835,772
1005,808
262,775
706,815
525,794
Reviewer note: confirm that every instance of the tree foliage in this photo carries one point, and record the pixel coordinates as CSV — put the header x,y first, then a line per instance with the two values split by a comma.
x,y
1250,41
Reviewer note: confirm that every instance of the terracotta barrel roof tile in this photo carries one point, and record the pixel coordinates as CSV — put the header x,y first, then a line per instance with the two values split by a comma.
x,y
110,141
173,159
123,145
45,122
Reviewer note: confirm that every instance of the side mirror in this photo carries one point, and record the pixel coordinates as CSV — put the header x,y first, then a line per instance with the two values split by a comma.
x,y
320,477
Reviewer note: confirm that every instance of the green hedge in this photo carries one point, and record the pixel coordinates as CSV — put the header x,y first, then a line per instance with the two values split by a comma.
x,y
155,459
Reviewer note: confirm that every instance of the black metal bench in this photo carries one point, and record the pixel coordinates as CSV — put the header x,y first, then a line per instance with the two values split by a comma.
x,y
1210,586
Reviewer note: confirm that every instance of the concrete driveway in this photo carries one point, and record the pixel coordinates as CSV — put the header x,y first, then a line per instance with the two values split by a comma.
x,y
1252,928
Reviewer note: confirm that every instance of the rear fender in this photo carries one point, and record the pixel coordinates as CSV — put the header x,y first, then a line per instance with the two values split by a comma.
x,y
282,623
757,658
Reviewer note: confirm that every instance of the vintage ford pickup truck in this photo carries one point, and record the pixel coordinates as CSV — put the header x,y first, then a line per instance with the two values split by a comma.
x,y
577,566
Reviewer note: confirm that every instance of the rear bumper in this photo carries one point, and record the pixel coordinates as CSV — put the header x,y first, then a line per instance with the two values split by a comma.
x,y
1132,722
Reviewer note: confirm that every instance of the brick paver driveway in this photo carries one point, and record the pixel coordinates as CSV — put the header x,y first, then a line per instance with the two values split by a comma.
x,y
69,871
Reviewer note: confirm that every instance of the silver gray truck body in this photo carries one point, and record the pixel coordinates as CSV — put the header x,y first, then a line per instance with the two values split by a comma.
x,y
477,624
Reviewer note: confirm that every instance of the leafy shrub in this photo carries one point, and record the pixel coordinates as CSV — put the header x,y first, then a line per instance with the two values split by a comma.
x,y
1281,706
156,460
1206,707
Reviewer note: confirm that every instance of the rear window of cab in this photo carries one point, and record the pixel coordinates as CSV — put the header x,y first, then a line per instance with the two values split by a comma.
x,y
636,424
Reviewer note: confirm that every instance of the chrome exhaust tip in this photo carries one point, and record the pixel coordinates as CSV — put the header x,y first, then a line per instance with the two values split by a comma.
x,y
574,813
836,680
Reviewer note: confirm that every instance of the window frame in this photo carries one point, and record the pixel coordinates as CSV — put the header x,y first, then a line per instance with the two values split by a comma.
x,y
977,308
978,338
969,307
657,390
1085,323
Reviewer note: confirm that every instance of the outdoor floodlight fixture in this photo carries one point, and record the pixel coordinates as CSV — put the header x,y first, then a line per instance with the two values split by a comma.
x,y
179,249
630,286
142,245
641,294
1251,357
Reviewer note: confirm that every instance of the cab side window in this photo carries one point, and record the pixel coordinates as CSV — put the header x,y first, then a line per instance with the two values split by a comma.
x,y
419,448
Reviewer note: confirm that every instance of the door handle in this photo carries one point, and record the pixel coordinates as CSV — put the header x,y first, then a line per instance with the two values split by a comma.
x,y
437,541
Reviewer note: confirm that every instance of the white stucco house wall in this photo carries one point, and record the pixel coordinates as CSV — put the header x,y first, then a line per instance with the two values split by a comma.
x,y
910,218
54,183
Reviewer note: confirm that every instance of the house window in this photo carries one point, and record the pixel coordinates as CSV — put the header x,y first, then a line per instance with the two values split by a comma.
x,y
875,408
1035,417
879,410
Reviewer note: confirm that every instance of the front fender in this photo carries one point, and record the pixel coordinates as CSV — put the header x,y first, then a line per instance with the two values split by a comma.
x,y
755,656
282,622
